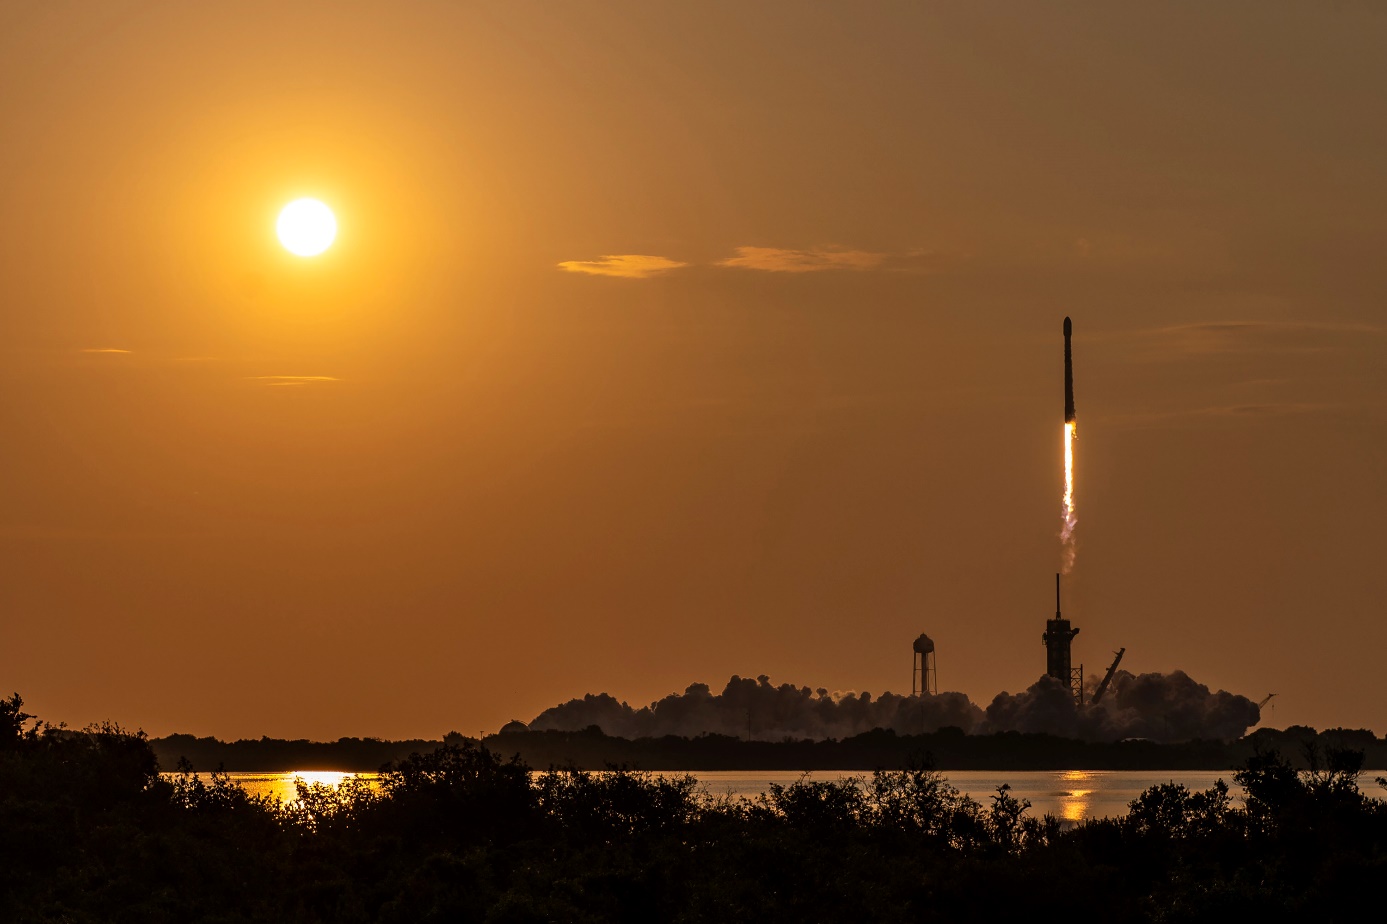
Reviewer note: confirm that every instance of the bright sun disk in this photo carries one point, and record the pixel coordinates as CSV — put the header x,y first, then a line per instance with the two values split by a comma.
x,y
306,227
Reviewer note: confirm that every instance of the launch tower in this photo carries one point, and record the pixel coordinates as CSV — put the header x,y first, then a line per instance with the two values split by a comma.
x,y
1057,638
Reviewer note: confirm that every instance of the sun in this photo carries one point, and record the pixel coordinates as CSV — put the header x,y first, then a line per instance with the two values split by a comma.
x,y
306,227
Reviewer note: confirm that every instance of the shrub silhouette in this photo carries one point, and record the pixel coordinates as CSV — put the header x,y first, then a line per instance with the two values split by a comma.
x,y
93,833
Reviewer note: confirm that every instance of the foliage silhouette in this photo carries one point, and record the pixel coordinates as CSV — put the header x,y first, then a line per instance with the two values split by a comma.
x,y
94,833
950,747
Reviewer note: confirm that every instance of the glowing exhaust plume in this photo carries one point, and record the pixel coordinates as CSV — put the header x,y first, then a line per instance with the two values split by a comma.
x,y
1067,516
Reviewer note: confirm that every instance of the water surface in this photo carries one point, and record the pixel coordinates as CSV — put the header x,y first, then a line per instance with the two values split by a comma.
x,y
1070,795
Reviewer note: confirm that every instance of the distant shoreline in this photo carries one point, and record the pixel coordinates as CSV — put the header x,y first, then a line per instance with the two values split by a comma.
x,y
947,749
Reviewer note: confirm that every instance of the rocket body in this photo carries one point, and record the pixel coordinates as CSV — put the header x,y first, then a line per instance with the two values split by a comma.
x,y
1068,375
1071,428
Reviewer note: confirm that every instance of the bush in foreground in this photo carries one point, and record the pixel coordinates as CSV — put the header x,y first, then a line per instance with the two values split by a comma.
x,y
93,833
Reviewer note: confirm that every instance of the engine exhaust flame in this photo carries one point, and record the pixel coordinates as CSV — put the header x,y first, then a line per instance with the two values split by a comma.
x,y
1068,519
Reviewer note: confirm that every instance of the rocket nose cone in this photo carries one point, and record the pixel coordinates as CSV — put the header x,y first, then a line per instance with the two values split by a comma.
x,y
1068,328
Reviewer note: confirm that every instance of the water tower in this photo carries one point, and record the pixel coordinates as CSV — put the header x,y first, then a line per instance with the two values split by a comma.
x,y
924,678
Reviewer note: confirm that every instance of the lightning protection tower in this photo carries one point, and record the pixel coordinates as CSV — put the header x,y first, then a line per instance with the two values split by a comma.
x,y
924,677
1057,638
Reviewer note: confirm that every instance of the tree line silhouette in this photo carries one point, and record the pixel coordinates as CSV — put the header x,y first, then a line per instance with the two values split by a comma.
x,y
950,748
93,832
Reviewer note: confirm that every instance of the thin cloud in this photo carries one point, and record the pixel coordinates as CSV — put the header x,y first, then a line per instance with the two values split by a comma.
x,y
102,350
1225,412
294,379
1268,409
623,265
1273,327
783,260
1222,338
925,260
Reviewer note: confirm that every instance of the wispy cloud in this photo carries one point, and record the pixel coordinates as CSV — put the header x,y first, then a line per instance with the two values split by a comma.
x,y
1264,409
294,379
769,260
623,265
1222,338
783,260
1226,413
102,350
1232,328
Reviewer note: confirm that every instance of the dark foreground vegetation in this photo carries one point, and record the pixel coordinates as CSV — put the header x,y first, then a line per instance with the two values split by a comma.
x,y
950,747
91,832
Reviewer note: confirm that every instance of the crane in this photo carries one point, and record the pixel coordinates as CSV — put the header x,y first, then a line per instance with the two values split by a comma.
x,y
1107,679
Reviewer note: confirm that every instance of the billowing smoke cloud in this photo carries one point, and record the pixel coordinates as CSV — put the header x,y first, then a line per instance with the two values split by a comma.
x,y
775,713
1163,707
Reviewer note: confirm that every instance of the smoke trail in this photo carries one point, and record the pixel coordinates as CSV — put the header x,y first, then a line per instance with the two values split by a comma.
x,y
1068,518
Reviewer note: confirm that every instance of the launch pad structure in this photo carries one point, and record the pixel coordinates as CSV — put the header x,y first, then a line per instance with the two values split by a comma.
x,y
1058,639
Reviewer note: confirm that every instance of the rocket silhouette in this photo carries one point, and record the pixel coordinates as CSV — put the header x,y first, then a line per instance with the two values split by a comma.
x,y
1068,374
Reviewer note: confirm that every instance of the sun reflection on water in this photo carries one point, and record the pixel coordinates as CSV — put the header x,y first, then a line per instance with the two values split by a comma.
x,y
1077,800
325,777
283,785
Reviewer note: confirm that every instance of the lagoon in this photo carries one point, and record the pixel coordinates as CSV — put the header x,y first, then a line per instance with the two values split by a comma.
x,y
1069,795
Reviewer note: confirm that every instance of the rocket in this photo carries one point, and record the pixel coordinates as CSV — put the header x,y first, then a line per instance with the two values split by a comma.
x,y
1068,375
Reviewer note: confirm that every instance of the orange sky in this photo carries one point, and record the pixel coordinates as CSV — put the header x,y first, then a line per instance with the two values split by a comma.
x,y
663,341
